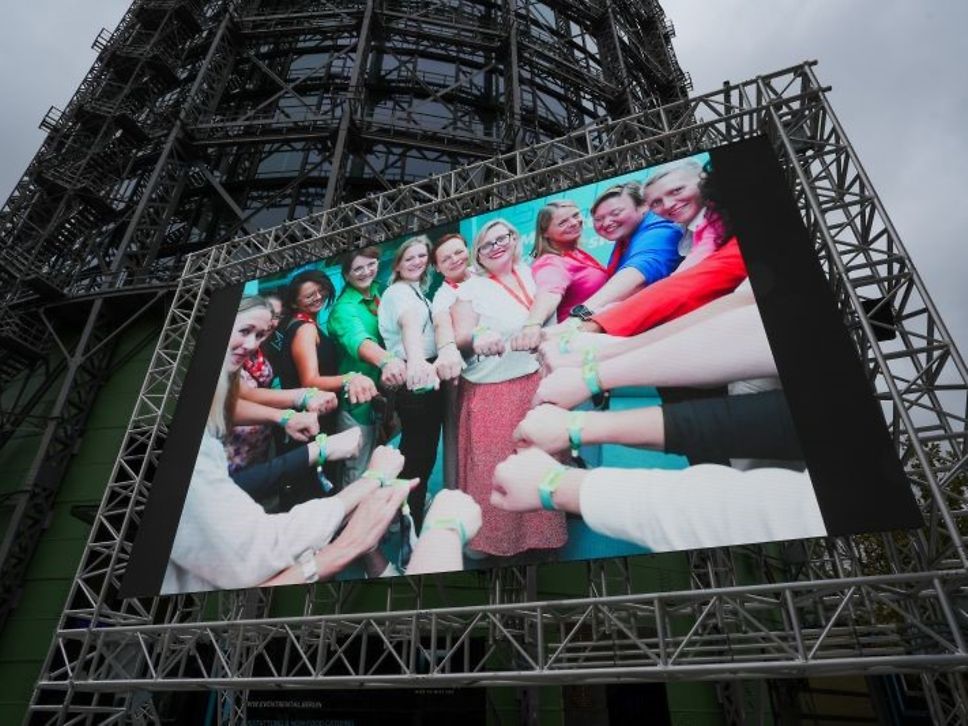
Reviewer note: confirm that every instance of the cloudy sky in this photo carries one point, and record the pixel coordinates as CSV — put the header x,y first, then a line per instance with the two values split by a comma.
x,y
899,72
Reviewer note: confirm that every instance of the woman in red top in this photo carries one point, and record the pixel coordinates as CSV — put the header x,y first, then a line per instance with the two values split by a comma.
x,y
713,265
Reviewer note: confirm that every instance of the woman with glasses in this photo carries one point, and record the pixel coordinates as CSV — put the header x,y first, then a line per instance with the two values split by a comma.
x,y
408,332
354,325
497,388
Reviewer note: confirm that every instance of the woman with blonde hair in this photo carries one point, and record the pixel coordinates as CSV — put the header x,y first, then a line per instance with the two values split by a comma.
x,y
564,273
408,334
497,387
225,539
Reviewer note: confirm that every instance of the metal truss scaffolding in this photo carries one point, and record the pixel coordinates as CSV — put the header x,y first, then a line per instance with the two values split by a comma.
x,y
864,604
204,119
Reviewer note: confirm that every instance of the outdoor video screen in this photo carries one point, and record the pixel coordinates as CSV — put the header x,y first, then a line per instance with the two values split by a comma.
x,y
649,363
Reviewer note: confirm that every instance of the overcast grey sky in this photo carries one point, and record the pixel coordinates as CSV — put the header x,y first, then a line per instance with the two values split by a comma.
x,y
898,71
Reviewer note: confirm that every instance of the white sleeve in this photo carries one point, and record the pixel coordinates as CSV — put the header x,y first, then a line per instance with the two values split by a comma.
x,y
388,314
227,539
444,299
477,292
701,506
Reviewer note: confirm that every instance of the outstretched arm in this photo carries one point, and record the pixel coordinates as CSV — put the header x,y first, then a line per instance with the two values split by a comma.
x,y
610,346
299,398
674,296
749,426
420,373
453,518
666,510
361,534
731,347
301,426
359,388
621,285
449,362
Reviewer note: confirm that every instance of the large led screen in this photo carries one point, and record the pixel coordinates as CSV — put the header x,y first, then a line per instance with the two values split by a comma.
x,y
649,363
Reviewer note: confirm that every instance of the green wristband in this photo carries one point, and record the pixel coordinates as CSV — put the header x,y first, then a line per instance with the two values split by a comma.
x,y
325,483
452,523
575,422
564,342
479,330
379,476
546,488
384,480
286,416
589,372
308,395
390,355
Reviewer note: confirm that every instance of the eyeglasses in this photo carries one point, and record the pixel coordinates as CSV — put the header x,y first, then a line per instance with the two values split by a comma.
x,y
503,241
364,268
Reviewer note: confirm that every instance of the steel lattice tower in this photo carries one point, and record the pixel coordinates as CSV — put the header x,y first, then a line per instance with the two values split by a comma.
x,y
846,605
204,123
203,120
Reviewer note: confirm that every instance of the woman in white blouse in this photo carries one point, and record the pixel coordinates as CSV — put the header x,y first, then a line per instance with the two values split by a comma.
x,y
408,334
497,388
451,258
226,540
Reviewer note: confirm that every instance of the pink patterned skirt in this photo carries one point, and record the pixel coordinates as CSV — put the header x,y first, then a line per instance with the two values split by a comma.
x,y
487,416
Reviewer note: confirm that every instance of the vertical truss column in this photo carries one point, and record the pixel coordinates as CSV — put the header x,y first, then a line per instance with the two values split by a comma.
x,y
512,133
93,597
610,45
353,105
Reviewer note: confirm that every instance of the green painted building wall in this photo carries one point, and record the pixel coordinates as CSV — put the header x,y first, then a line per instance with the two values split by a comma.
x,y
26,637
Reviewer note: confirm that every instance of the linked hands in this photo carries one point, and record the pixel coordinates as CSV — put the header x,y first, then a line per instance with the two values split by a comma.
x,y
394,373
302,426
449,363
544,427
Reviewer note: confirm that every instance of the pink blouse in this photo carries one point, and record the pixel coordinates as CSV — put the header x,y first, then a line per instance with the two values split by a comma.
x,y
575,276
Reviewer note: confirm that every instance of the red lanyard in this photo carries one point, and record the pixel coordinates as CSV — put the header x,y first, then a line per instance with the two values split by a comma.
x,y
617,253
454,285
527,301
372,303
305,317
584,258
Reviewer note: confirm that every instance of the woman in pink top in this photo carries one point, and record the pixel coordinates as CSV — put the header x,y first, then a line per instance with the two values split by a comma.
x,y
564,273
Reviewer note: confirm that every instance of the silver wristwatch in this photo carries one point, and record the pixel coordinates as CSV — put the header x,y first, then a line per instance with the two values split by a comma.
x,y
307,562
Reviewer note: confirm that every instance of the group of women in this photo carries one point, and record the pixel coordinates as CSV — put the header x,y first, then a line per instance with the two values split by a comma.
x,y
503,358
